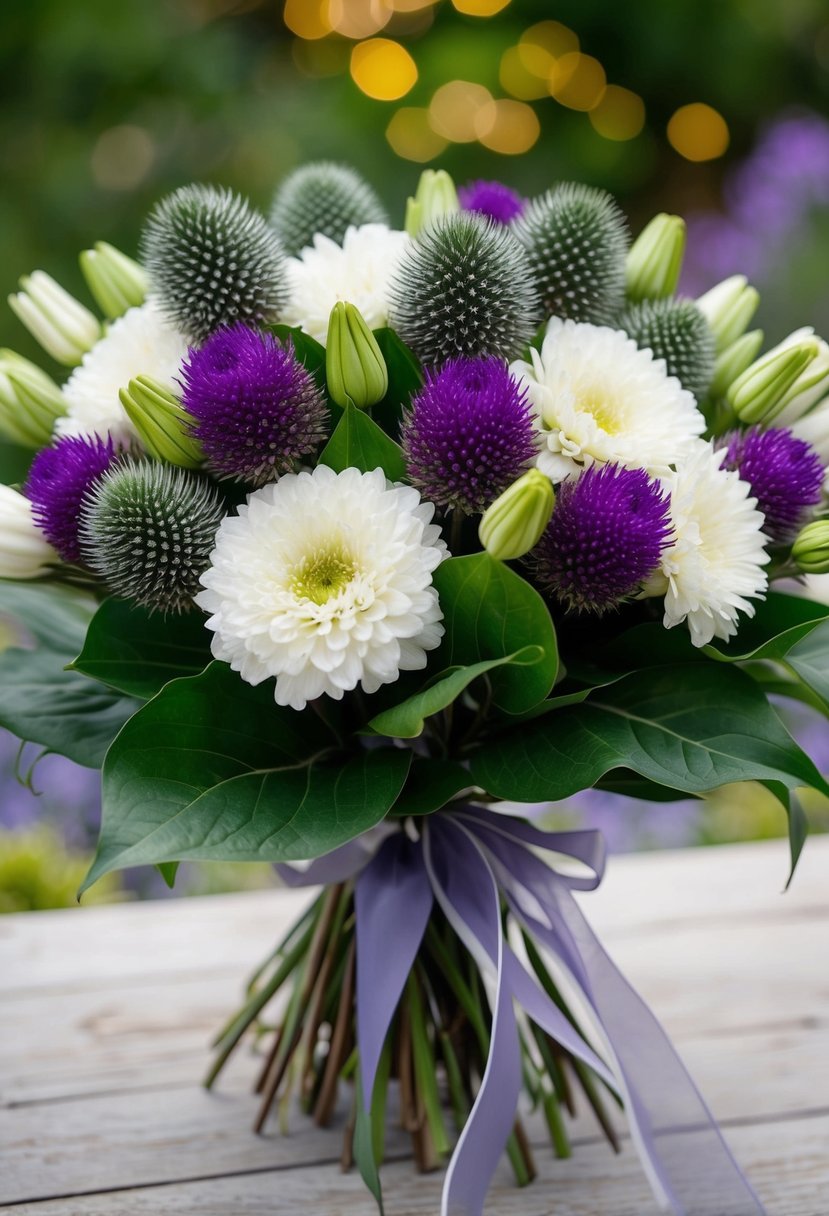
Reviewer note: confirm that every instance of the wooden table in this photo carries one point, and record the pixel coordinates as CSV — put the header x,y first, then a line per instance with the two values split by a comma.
x,y
107,1012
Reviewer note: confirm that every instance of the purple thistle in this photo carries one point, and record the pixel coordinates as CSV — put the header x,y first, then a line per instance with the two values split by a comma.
x,y
494,199
785,475
59,480
256,408
469,433
605,538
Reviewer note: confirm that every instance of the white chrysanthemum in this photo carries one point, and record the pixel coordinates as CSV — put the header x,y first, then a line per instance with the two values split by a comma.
x,y
140,343
358,272
714,565
599,399
324,580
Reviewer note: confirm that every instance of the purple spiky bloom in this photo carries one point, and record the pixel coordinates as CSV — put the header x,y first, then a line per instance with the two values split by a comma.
x,y
605,538
469,433
256,408
785,475
494,199
59,480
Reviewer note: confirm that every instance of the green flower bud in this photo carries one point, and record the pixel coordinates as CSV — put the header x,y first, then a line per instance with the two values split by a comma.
x,y
728,309
162,424
354,365
513,524
812,383
116,281
63,327
734,360
759,394
811,549
654,260
30,401
436,196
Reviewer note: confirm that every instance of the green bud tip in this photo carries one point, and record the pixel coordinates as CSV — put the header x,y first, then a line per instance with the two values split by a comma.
x,y
654,261
60,323
163,426
436,196
115,280
728,309
810,550
760,393
514,523
354,365
30,401
734,360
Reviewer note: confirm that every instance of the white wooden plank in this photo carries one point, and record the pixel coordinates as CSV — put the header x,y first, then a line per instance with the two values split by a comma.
x,y
786,1162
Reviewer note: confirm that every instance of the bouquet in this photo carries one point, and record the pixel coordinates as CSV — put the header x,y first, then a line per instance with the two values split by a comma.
x,y
347,546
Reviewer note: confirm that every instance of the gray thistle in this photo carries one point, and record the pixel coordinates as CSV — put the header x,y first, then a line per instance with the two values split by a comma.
x,y
464,287
576,239
212,261
676,331
323,197
148,530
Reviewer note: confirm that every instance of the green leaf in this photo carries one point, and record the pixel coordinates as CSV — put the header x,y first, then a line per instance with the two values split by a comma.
x,y
691,728
406,721
138,652
490,612
431,783
14,463
364,1145
358,442
42,702
798,822
405,379
212,769
809,660
308,350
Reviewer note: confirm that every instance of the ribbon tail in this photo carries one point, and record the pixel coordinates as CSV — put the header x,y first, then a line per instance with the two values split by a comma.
x,y
492,1117
393,901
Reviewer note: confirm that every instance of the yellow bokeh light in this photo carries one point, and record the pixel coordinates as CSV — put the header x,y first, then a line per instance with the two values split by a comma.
x,y
578,81
619,115
698,132
383,69
480,8
514,129
122,157
412,136
320,57
525,70
411,6
461,111
551,36
307,18
359,18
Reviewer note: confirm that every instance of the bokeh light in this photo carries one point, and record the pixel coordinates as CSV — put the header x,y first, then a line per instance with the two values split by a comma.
x,y
412,6
525,70
514,128
698,132
359,18
383,69
462,111
122,157
411,135
619,115
553,37
480,8
578,81
307,18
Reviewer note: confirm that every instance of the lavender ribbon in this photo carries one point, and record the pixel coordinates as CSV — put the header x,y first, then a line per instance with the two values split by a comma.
x,y
468,860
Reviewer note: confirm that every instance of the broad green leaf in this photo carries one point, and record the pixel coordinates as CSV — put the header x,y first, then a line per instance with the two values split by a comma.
x,y
406,721
42,702
690,728
798,822
212,769
405,379
308,350
431,783
14,463
491,612
364,1154
138,652
358,442
809,660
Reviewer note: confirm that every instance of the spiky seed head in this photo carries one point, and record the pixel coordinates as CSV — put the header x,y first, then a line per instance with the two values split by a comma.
x,y
464,287
213,260
323,197
676,331
148,530
576,239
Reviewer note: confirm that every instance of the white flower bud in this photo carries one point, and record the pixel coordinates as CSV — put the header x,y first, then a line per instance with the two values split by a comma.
x,y
60,323
655,258
24,553
728,309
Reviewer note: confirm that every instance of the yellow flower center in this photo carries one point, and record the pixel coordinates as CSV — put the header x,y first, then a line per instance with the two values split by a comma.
x,y
324,574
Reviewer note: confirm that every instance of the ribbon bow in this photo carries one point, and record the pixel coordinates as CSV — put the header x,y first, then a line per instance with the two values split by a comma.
x,y
469,860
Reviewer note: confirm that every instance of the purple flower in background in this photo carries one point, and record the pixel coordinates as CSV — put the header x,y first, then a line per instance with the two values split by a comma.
x,y
469,433
493,199
59,480
256,408
605,538
785,475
